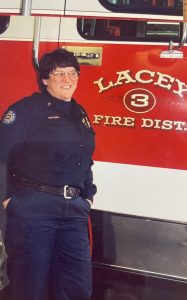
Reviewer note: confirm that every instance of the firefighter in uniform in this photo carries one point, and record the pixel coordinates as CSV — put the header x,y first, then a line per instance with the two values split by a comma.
x,y
47,187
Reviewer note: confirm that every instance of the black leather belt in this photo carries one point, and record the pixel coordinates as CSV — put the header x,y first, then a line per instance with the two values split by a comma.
x,y
68,192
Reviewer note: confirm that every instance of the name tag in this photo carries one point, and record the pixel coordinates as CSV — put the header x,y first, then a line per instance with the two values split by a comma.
x,y
53,117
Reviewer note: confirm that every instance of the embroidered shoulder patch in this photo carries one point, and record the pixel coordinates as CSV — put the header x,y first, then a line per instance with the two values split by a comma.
x,y
9,117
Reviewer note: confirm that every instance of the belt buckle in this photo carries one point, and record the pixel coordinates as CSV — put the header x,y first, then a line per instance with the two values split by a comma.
x,y
65,193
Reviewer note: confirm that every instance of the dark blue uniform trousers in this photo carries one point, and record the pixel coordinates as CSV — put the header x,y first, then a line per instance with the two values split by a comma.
x,y
48,247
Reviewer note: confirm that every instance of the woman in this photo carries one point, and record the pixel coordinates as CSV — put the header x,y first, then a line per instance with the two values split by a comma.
x,y
47,182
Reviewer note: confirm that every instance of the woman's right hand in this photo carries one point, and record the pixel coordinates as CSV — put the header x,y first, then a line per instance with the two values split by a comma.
x,y
5,202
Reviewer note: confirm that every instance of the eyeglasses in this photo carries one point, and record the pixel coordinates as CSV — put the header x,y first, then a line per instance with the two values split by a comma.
x,y
59,75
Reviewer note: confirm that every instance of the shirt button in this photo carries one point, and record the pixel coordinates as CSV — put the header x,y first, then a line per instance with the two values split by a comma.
x,y
79,163
81,145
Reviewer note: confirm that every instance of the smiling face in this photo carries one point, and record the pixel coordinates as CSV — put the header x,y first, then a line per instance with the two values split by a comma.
x,y
62,83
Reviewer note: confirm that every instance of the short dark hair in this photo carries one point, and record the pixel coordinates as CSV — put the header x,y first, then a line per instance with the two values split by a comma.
x,y
57,58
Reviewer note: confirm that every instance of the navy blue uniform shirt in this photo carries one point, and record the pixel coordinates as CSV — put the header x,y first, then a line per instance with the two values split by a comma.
x,y
49,141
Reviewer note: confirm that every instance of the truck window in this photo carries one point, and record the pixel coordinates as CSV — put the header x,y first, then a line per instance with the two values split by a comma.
x,y
4,23
129,30
157,7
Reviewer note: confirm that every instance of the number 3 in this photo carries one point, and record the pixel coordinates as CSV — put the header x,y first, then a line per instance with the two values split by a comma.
x,y
141,100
